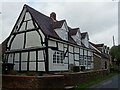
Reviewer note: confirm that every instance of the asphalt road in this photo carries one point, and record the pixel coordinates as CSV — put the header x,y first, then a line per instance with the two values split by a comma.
x,y
112,83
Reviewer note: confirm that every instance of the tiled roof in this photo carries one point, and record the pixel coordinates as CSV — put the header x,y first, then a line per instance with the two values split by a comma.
x,y
83,35
99,45
46,23
58,24
73,31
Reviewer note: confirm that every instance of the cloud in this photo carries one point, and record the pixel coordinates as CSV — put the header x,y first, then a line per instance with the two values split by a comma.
x,y
97,18
10,13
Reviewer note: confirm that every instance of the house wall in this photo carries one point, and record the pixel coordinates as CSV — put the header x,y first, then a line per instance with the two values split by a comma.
x,y
104,60
27,48
26,36
57,66
72,57
97,62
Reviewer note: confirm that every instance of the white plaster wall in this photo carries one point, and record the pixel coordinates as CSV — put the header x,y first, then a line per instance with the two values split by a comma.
x,y
85,42
81,51
23,65
16,67
55,67
52,43
65,60
43,36
76,63
60,46
10,58
61,33
71,49
85,52
76,56
18,42
33,39
41,66
8,44
40,55
76,50
71,59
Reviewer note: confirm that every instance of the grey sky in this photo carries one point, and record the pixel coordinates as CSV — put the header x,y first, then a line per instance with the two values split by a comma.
x,y
99,19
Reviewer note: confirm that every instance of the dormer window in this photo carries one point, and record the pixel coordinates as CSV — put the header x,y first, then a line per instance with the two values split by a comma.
x,y
78,39
61,29
75,34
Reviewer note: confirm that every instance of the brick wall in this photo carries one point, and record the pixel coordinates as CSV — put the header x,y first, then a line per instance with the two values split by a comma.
x,y
10,82
49,82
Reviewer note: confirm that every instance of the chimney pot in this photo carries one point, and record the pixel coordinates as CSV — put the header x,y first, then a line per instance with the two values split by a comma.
x,y
53,16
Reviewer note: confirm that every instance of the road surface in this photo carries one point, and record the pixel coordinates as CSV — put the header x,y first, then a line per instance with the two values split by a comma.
x,y
112,83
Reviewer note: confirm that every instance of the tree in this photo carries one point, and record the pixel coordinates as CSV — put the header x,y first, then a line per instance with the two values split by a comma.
x,y
115,53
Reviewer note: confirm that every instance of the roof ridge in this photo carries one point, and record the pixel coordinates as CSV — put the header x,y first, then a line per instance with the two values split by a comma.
x,y
27,6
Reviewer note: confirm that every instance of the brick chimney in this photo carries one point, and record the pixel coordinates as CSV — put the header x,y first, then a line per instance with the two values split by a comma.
x,y
53,16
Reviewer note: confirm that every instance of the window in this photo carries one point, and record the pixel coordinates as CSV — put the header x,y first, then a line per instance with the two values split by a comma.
x,y
64,34
58,57
78,38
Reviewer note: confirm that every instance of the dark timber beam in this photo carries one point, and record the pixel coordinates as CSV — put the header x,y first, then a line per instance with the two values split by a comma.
x,y
47,55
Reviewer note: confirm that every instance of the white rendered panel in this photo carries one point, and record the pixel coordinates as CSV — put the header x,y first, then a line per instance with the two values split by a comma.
x,y
22,28
18,41
76,56
81,51
71,49
89,53
33,39
65,60
76,50
41,66
30,25
41,33
40,55
85,52
56,67
16,66
27,16
23,65
32,56
71,60
32,66
17,57
76,63
10,58
63,34
24,56
8,44
60,46
52,43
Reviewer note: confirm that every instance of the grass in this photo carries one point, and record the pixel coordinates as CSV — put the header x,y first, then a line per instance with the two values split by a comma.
x,y
94,81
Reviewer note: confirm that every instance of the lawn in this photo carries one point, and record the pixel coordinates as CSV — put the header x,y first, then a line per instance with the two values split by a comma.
x,y
94,81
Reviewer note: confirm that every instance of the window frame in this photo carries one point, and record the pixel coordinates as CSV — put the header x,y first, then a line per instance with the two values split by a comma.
x,y
58,57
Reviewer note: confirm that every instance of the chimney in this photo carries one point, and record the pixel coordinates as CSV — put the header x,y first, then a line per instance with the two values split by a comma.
x,y
53,16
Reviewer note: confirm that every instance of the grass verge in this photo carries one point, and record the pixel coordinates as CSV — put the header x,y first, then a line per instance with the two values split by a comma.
x,y
94,81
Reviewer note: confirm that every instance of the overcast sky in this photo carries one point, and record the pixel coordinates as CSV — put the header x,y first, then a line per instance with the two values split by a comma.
x,y
99,19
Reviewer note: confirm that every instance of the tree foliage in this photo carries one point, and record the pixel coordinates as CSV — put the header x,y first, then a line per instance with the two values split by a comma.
x,y
115,53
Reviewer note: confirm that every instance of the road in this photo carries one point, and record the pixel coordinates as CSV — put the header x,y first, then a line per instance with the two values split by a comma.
x,y
112,83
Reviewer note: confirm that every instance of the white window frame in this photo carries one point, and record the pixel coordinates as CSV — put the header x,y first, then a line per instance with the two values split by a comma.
x,y
58,57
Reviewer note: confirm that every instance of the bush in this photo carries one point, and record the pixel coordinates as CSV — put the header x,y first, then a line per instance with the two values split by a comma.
x,y
76,69
115,68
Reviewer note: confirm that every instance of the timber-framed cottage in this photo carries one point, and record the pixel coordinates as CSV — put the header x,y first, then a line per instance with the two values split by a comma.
x,y
42,43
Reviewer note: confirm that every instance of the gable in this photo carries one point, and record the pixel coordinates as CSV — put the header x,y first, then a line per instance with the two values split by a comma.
x,y
26,33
